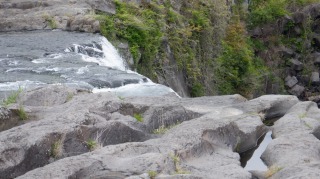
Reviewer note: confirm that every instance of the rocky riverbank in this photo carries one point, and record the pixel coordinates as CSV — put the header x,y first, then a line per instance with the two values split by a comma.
x,y
73,15
76,134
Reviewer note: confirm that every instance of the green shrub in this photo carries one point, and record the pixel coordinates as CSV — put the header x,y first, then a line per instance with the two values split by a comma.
x,y
238,70
193,35
264,11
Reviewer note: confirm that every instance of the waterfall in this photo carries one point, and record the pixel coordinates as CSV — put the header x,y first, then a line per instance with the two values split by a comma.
x,y
81,60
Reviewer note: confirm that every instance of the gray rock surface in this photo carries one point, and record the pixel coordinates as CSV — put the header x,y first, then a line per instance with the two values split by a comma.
x,y
75,15
315,80
296,64
294,152
291,81
297,90
202,136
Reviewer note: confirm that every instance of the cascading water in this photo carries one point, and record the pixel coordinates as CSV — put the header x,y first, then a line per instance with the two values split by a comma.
x,y
87,61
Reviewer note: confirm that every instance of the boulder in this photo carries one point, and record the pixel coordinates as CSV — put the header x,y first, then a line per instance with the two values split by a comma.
x,y
297,90
316,58
296,64
315,80
294,152
291,81
285,52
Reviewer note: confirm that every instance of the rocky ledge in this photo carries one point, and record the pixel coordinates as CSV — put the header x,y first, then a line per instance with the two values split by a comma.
x,y
74,15
71,133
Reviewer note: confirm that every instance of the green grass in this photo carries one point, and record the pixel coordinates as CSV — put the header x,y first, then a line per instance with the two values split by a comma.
x,y
193,36
265,11
178,168
56,148
69,96
12,98
163,129
91,144
152,174
50,20
138,117
22,113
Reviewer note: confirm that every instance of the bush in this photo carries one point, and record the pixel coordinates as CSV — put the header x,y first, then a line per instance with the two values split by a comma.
x,y
238,70
264,11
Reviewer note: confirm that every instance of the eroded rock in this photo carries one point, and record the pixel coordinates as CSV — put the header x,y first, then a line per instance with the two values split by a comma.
x,y
295,150
199,131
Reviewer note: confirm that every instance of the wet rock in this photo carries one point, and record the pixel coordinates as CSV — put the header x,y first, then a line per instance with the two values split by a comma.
x,y
297,90
296,64
291,81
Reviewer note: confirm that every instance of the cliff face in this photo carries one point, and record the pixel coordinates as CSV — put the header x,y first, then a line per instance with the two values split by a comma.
x,y
291,46
173,42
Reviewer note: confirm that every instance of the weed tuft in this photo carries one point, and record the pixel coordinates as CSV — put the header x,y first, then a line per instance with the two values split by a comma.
x,y
12,98
22,113
272,170
138,117
152,174
91,144
56,149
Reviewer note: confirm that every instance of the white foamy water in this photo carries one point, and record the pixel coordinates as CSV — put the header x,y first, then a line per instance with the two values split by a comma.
x,y
73,59
110,59
140,89
10,86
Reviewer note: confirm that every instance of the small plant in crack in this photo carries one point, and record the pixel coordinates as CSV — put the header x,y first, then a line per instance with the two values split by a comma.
x,y
303,115
238,145
121,98
178,168
69,97
272,170
163,129
56,149
138,117
97,142
92,144
12,98
22,113
152,174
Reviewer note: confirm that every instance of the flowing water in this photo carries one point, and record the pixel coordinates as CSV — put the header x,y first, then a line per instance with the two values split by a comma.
x,y
87,61
251,160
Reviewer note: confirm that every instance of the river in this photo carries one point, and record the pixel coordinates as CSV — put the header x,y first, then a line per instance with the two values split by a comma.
x,y
86,61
